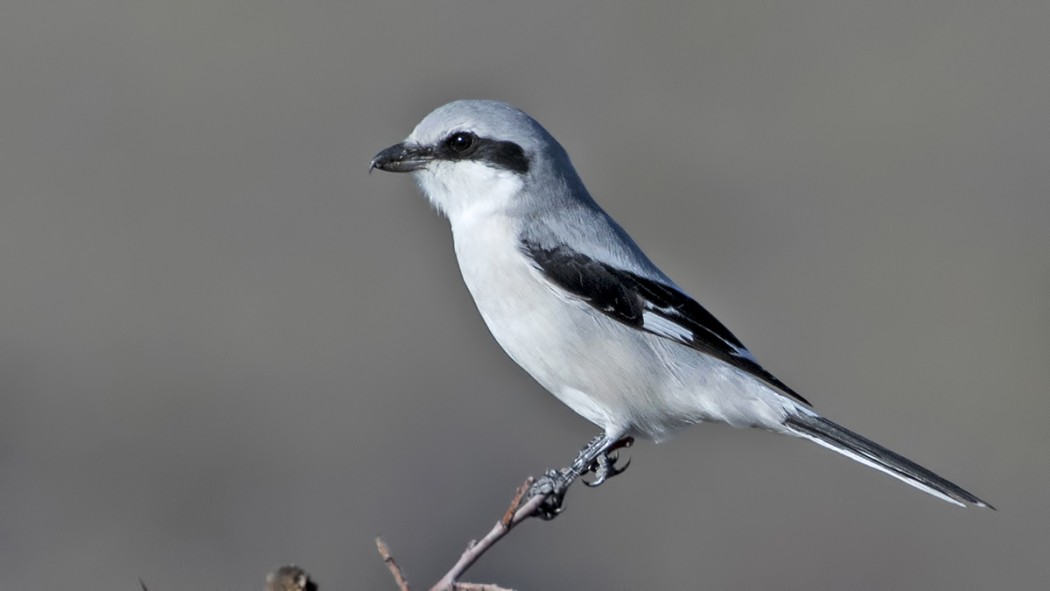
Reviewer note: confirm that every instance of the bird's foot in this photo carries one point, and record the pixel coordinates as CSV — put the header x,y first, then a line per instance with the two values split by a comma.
x,y
604,466
553,486
599,457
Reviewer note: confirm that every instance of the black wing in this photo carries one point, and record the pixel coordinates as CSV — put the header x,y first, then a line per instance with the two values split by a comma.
x,y
647,305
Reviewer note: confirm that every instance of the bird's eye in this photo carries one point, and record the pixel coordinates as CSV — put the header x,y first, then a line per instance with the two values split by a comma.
x,y
461,143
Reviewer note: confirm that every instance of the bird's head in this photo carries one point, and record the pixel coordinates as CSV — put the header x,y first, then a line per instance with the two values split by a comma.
x,y
472,156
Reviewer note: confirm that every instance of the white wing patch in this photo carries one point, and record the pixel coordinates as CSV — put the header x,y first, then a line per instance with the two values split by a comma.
x,y
665,327
660,321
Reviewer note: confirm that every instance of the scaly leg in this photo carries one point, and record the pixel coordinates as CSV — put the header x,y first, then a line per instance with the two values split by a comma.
x,y
599,456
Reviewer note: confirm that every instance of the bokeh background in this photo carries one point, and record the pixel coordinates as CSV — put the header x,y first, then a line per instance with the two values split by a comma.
x,y
224,346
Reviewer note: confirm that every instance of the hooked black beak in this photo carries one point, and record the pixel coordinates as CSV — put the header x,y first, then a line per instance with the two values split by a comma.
x,y
401,158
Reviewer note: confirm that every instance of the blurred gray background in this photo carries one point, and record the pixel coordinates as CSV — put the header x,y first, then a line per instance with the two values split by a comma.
x,y
224,346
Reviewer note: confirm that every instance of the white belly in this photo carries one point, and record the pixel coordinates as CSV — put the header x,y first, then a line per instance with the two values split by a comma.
x,y
622,379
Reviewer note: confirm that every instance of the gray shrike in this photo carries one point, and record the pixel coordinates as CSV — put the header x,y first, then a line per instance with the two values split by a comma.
x,y
574,301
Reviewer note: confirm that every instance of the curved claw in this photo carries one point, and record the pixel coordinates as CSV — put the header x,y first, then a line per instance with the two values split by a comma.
x,y
605,468
550,508
599,456
614,471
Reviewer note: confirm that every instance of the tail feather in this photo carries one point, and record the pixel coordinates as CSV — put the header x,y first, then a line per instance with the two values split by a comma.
x,y
846,442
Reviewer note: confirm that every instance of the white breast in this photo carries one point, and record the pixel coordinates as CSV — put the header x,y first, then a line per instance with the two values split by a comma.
x,y
620,378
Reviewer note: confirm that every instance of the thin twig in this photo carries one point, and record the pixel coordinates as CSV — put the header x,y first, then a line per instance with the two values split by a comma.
x,y
478,587
391,564
508,516
514,515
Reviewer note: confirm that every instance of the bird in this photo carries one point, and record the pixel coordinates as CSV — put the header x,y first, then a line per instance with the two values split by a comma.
x,y
574,301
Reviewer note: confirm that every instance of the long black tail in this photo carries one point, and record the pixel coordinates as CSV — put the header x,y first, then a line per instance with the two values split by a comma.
x,y
846,442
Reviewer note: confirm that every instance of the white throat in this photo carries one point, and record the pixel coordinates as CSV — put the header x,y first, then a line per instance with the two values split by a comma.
x,y
468,190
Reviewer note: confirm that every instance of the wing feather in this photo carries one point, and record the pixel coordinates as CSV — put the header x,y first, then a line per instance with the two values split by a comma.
x,y
647,304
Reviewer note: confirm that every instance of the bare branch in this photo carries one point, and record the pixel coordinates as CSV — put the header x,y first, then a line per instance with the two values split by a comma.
x,y
391,564
478,587
515,514
508,516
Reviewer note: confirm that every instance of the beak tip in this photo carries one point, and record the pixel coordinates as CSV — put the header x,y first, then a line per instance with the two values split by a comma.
x,y
400,158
